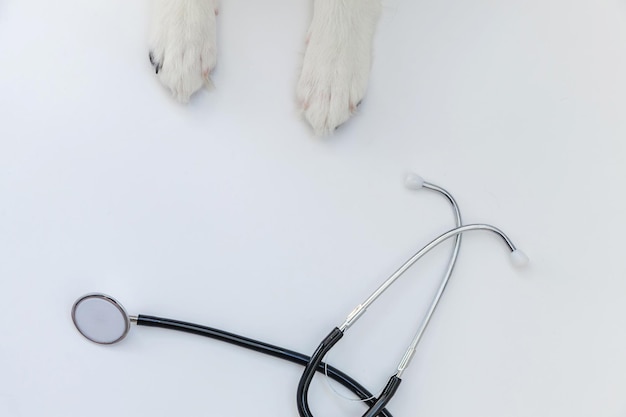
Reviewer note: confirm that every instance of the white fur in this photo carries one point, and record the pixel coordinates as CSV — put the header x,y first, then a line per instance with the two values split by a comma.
x,y
183,49
336,63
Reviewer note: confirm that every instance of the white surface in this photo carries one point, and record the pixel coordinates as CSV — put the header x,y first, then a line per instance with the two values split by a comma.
x,y
228,212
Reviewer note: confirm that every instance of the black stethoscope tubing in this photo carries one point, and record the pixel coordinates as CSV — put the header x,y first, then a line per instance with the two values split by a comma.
x,y
267,349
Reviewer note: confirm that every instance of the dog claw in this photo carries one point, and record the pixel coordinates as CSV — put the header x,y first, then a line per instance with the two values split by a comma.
x,y
155,64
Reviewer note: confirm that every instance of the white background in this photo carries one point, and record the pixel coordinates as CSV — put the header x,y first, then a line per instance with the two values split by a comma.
x,y
230,213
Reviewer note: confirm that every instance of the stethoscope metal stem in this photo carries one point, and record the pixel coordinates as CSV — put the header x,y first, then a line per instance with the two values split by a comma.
x,y
410,352
361,308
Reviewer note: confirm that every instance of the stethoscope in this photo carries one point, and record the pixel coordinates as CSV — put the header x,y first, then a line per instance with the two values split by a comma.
x,y
103,320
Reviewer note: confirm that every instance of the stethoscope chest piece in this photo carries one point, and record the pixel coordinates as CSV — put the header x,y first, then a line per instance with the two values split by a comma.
x,y
100,318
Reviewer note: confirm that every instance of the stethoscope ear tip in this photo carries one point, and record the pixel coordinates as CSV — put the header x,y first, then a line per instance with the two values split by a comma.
x,y
519,259
413,181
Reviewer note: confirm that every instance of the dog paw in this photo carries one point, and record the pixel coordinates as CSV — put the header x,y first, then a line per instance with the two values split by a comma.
x,y
183,46
337,61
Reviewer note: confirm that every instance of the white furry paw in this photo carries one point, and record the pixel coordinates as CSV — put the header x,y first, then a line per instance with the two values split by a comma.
x,y
183,48
337,61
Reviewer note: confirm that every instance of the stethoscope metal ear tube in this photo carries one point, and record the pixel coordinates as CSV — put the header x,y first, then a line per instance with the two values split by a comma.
x,y
361,308
337,333
446,278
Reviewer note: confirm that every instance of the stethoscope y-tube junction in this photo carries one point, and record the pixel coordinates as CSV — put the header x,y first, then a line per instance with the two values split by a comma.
x,y
376,406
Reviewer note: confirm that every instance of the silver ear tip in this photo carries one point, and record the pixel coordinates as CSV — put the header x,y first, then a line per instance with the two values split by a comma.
x,y
519,259
100,318
413,181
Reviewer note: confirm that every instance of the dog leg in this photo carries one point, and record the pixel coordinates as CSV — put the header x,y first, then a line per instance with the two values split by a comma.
x,y
337,61
183,49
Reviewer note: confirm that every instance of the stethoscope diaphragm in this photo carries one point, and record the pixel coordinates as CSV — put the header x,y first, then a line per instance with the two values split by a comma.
x,y
100,318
